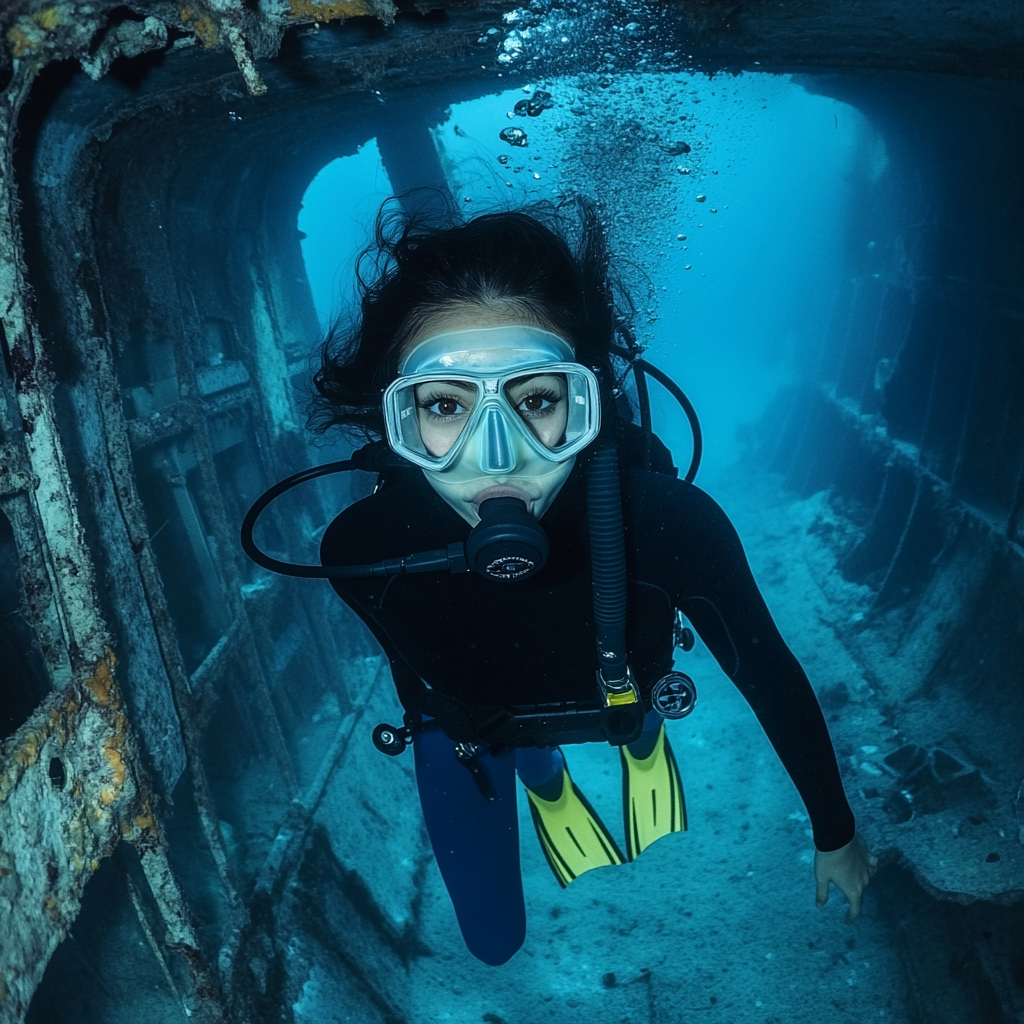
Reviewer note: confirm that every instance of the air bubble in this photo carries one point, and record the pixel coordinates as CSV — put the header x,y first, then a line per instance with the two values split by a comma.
x,y
513,136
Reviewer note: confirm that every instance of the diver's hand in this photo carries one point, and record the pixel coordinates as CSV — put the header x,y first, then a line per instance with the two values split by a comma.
x,y
851,867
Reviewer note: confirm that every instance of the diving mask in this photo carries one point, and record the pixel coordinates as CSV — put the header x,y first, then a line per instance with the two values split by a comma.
x,y
495,401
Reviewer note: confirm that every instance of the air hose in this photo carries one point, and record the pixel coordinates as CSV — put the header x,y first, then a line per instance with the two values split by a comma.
x,y
624,712
641,369
608,561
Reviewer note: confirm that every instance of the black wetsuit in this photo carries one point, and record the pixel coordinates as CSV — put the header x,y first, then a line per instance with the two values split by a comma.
x,y
484,642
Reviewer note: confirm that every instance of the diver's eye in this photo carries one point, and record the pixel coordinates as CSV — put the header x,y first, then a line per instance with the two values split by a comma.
x,y
538,396
445,407
538,403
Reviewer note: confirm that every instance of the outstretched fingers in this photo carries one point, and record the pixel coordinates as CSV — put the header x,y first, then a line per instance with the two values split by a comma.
x,y
821,896
851,868
854,896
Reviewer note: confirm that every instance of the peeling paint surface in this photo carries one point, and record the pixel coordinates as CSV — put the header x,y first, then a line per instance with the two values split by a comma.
x,y
308,10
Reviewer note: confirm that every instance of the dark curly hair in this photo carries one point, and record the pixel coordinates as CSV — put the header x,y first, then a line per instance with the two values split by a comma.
x,y
548,263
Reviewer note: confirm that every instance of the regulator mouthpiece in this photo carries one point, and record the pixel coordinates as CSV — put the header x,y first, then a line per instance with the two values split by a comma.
x,y
508,543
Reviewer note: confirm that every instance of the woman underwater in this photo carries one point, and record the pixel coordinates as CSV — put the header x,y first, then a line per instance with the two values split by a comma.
x,y
491,343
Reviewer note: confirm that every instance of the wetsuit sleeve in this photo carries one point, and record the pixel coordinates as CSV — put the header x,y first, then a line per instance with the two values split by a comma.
x,y
722,600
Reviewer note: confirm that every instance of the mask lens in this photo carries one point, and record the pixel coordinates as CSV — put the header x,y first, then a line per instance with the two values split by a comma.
x,y
556,407
433,414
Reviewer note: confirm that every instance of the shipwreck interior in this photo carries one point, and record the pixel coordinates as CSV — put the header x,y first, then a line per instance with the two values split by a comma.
x,y
194,824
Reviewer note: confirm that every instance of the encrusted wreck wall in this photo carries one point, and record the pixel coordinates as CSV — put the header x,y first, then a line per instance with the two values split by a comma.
x,y
181,716
915,419
911,420
173,304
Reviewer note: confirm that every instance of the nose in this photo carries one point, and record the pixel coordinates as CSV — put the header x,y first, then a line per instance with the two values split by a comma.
x,y
496,452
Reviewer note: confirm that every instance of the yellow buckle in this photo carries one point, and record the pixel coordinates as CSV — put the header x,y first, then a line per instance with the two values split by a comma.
x,y
617,698
629,697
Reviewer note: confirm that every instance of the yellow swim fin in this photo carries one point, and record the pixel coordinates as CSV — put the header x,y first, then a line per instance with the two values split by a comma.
x,y
652,796
571,834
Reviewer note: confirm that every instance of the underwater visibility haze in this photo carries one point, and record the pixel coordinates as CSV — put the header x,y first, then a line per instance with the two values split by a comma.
x,y
826,259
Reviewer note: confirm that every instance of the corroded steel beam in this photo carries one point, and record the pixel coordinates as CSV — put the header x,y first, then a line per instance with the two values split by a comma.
x,y
70,791
71,782
157,427
38,32
40,601
890,451
976,37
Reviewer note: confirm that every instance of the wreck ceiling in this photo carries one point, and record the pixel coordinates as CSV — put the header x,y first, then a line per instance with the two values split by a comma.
x,y
218,114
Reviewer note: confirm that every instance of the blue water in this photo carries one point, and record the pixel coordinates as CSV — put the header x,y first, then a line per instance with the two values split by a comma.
x,y
777,164
336,217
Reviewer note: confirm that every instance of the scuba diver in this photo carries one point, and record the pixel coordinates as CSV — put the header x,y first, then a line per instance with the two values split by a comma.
x,y
528,554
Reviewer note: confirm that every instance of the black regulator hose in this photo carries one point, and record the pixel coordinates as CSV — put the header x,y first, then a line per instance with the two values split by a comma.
x,y
374,458
608,562
507,544
687,406
640,368
261,558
